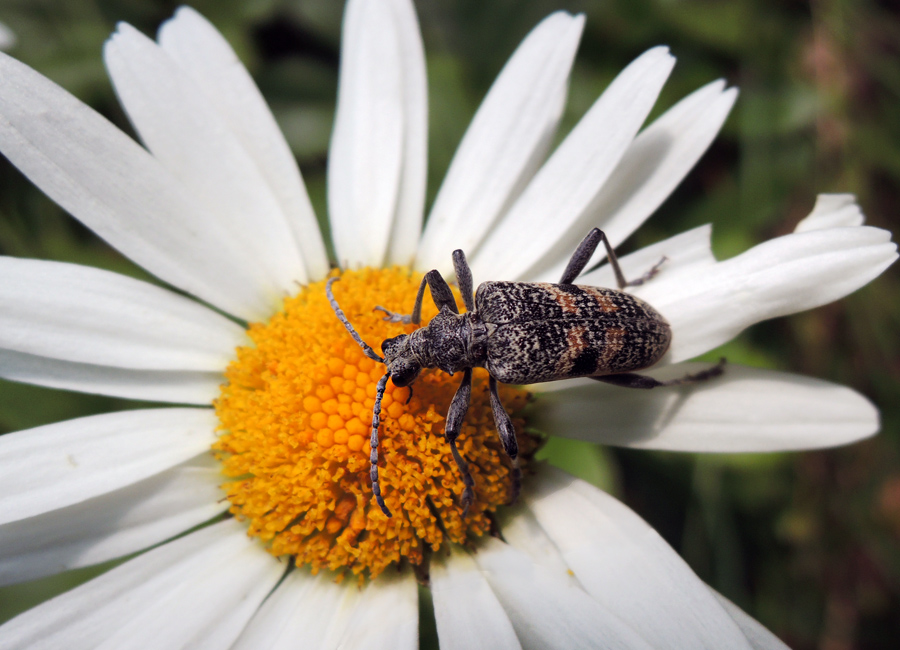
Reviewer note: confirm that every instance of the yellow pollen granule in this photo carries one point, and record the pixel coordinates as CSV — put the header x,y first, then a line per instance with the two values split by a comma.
x,y
296,416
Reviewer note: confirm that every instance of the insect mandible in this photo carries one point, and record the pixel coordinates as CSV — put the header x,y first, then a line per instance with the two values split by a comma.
x,y
522,333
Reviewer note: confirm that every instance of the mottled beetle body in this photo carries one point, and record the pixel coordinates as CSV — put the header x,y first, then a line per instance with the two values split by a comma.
x,y
540,332
522,333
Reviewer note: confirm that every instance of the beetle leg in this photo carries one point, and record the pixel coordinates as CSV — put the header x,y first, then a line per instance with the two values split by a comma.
x,y
464,278
508,437
503,423
373,457
633,380
585,250
455,416
440,293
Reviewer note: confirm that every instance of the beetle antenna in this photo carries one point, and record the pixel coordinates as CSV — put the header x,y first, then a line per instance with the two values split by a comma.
x,y
356,337
373,443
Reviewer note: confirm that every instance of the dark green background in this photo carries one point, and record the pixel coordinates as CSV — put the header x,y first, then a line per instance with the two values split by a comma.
x,y
806,542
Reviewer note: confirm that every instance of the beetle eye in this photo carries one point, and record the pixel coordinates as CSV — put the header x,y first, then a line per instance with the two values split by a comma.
x,y
404,374
388,346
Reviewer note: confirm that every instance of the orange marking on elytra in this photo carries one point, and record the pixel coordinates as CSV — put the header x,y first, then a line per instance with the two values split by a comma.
x,y
602,299
565,300
615,341
576,342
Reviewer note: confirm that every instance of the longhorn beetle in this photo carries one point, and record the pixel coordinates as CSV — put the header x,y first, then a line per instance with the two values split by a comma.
x,y
523,333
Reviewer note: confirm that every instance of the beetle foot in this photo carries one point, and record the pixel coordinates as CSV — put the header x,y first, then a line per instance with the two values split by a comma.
x,y
394,317
649,275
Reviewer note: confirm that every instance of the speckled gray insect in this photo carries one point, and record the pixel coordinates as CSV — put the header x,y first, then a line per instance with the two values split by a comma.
x,y
522,333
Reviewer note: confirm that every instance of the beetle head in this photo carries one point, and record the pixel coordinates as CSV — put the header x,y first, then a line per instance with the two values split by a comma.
x,y
401,364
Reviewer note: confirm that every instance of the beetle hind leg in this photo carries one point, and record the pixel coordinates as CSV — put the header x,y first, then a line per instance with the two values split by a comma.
x,y
585,250
634,380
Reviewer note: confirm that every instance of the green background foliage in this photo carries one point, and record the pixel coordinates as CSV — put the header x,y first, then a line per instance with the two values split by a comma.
x,y
805,542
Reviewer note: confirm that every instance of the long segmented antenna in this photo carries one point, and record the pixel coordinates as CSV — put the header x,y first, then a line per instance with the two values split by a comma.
x,y
356,337
379,394
373,443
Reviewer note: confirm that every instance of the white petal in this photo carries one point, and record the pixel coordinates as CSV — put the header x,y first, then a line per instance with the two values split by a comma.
x,y
69,462
745,410
759,637
560,193
507,140
198,592
181,127
685,253
832,211
779,277
654,164
107,181
548,608
407,226
467,612
316,612
628,568
152,385
389,604
77,313
302,607
113,524
195,44
366,156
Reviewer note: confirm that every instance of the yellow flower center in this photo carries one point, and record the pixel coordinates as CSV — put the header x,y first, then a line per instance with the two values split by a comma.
x,y
296,415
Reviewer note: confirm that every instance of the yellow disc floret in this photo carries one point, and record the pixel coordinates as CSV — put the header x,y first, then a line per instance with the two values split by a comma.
x,y
296,416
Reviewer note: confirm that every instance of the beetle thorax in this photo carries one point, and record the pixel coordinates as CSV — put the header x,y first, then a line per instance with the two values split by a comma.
x,y
451,342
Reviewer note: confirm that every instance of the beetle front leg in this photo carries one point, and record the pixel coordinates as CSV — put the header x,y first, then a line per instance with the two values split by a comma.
x,y
464,278
440,293
455,416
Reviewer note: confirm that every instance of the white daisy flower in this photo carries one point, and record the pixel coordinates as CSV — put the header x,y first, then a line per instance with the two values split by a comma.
x,y
214,205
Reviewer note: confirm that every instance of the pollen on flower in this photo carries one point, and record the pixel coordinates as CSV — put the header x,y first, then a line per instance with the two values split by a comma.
x,y
295,418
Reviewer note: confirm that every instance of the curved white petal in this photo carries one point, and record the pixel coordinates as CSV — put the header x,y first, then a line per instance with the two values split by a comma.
x,y
759,637
655,163
174,387
548,608
507,140
407,226
389,604
832,211
183,129
366,157
559,195
302,607
628,568
319,613
198,591
744,410
113,524
69,462
77,313
467,612
193,42
107,181
779,277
